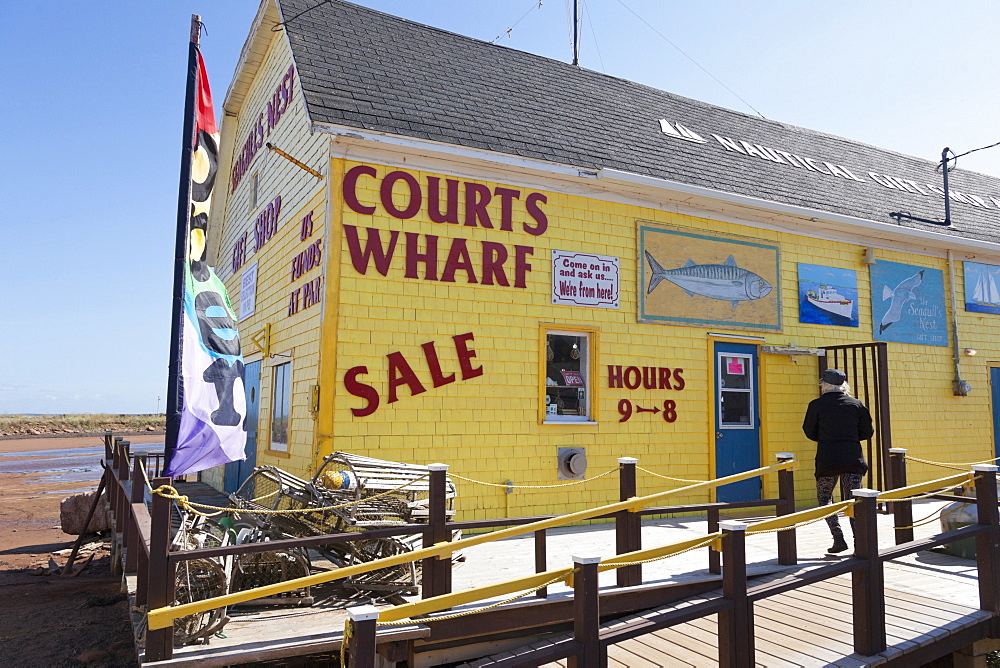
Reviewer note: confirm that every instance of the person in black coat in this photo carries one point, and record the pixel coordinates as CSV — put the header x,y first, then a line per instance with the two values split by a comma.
x,y
838,423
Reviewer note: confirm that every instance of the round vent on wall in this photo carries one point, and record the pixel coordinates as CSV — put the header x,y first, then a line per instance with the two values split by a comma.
x,y
572,463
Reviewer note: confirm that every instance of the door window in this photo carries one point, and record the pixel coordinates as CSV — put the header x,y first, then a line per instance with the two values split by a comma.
x,y
735,386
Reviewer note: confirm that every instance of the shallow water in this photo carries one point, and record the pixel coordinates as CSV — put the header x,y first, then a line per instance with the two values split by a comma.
x,y
71,465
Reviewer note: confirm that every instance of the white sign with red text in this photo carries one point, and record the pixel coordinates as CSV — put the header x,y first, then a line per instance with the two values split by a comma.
x,y
583,279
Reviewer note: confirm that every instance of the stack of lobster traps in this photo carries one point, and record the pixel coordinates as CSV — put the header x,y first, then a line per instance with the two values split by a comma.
x,y
348,493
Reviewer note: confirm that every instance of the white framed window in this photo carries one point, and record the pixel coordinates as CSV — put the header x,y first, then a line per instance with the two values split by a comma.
x,y
568,388
281,406
736,391
254,190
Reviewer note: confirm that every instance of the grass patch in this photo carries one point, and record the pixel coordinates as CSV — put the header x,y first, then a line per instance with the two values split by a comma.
x,y
85,423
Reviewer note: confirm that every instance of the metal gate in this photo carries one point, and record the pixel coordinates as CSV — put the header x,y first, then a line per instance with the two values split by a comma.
x,y
867,369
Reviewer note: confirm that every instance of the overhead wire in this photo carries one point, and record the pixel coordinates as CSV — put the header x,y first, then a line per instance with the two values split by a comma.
x,y
681,51
956,157
535,4
593,33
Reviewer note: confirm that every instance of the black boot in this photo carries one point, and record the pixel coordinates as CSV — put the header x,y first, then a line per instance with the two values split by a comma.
x,y
839,545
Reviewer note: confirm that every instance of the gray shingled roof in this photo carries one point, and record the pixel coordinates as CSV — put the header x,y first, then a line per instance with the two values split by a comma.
x,y
365,69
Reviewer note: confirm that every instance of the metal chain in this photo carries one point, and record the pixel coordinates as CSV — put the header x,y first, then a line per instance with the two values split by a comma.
x,y
563,484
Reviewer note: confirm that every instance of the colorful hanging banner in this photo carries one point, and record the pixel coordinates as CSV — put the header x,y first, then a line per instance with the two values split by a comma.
x,y
210,397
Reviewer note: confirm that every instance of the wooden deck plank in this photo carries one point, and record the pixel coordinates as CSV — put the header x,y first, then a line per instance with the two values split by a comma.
x,y
694,651
665,655
897,629
763,655
839,639
914,601
631,659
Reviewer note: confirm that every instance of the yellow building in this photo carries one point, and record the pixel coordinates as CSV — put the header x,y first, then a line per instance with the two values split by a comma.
x,y
444,250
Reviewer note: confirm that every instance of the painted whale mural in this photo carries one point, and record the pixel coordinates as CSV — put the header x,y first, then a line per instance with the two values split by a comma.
x,y
725,281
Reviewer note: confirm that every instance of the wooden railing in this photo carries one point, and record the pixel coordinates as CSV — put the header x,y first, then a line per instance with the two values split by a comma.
x,y
143,535
588,645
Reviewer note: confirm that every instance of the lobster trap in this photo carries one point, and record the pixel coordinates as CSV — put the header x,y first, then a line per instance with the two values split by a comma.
x,y
348,493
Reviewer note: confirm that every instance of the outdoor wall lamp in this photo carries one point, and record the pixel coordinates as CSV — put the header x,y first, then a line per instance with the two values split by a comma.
x,y
970,352
869,256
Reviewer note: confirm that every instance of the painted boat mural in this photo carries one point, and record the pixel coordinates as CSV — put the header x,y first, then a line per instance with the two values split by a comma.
x,y
826,298
828,295
982,287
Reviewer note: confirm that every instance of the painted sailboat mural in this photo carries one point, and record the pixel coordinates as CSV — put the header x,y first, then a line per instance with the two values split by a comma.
x,y
982,287
828,295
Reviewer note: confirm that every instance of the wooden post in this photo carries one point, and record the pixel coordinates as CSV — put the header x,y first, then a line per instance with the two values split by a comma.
x,y
107,447
902,511
361,646
868,583
787,549
436,571
160,578
736,637
136,495
541,561
628,524
988,545
714,558
122,510
586,615
114,489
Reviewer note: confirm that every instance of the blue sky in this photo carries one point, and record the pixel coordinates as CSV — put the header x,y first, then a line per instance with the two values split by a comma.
x,y
93,106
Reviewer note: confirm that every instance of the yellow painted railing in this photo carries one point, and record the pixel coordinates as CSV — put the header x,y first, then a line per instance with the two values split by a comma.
x,y
940,483
790,520
161,618
475,594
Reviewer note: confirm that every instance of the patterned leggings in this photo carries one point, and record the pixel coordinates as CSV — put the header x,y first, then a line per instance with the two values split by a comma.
x,y
824,492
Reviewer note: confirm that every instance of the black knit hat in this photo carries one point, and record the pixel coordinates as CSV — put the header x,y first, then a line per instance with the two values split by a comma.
x,y
834,377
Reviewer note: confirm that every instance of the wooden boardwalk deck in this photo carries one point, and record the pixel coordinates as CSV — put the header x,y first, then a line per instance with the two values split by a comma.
x,y
810,626
930,597
932,602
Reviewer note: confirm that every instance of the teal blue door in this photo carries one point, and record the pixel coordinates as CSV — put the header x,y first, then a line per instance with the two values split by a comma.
x,y
995,384
238,472
737,419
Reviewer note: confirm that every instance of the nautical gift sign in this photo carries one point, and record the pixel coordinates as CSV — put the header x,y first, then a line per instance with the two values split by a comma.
x,y
695,278
982,287
582,279
908,304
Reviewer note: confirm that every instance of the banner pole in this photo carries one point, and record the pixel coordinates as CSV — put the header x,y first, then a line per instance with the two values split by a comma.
x,y
174,389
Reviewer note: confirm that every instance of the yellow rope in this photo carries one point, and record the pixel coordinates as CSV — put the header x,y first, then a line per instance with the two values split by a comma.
x,y
930,518
169,492
665,477
750,529
705,543
466,613
954,467
912,498
563,484
348,633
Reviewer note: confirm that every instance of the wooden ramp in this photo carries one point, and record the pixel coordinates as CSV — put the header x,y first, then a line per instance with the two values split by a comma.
x,y
810,626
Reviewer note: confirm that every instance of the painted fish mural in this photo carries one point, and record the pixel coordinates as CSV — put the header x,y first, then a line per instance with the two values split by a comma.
x,y
724,281
902,294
